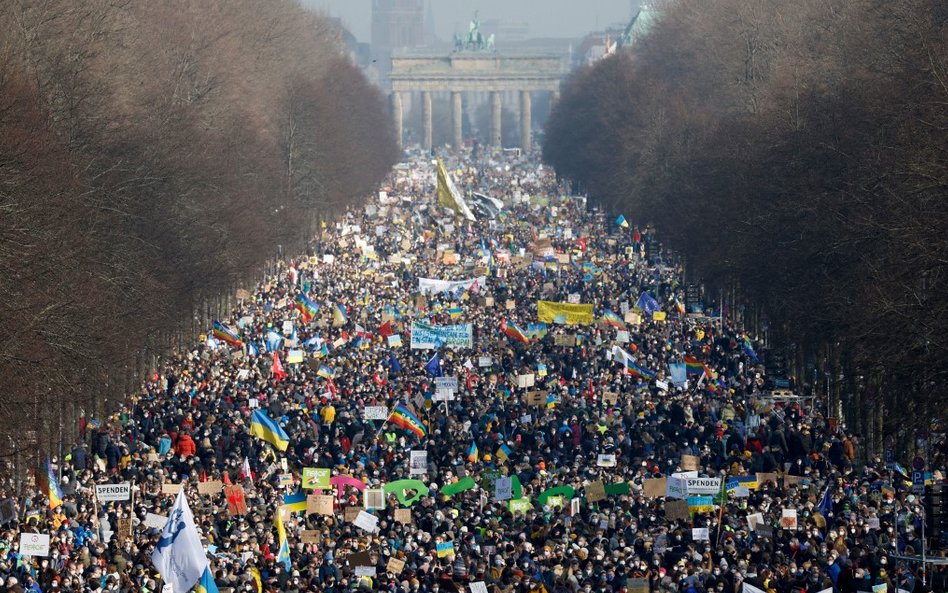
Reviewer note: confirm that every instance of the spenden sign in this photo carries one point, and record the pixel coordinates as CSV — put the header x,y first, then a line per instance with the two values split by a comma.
x,y
113,492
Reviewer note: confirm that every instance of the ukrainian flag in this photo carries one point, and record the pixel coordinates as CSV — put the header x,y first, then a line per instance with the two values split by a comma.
x,y
473,455
263,427
295,503
206,583
284,554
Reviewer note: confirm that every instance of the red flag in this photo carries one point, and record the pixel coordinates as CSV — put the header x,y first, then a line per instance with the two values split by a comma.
x,y
227,481
582,243
331,385
378,380
385,330
277,367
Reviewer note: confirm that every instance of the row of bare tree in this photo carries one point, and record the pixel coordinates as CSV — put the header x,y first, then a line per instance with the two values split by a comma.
x,y
153,156
797,150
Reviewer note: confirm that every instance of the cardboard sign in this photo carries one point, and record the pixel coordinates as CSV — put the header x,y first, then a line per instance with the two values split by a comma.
x,y
351,513
595,491
403,516
535,398
236,501
310,536
610,397
395,566
564,340
755,519
690,463
637,586
524,381
654,488
511,305
677,510
211,487
169,488
124,529
319,504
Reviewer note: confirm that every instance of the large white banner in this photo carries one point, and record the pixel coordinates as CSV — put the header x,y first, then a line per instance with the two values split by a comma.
x,y
425,336
431,286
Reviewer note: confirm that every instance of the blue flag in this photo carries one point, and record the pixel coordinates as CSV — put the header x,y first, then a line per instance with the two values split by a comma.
x,y
648,304
393,362
826,504
433,366
273,341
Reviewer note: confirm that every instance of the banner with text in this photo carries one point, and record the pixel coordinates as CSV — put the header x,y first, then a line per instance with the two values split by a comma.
x,y
564,313
425,336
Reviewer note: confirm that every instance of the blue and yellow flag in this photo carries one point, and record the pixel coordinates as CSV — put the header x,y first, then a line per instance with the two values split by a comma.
x,y
206,584
284,554
295,502
473,455
264,427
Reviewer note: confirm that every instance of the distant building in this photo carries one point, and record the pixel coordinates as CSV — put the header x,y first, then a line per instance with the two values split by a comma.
x,y
600,44
396,25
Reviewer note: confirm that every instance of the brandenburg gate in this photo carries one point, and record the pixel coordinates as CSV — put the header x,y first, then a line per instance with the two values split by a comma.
x,y
473,68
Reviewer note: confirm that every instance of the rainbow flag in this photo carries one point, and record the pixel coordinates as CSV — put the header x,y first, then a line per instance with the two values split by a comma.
x,y
613,319
404,418
621,356
225,334
307,308
473,455
749,349
52,485
693,366
513,331
339,315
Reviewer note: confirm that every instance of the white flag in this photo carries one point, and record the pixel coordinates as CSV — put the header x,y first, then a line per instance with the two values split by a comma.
x,y
178,555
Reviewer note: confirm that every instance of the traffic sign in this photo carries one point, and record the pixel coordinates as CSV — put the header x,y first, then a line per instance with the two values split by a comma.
x,y
918,464
918,482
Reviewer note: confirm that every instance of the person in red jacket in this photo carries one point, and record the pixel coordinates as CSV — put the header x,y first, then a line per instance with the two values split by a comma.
x,y
185,445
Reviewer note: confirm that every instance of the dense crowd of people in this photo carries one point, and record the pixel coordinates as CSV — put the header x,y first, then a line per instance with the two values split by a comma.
x,y
592,411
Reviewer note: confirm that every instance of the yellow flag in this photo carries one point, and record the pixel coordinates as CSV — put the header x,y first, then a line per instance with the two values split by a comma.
x,y
448,195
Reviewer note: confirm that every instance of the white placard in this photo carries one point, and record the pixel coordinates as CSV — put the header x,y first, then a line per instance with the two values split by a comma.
x,y
700,534
375,413
704,485
622,336
478,587
418,463
365,571
155,521
113,492
676,488
34,544
662,385
447,383
367,522
443,395
606,460
484,361
503,488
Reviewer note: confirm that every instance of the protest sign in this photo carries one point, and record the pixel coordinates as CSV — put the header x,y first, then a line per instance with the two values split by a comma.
x,y
34,544
403,516
113,492
395,566
700,534
375,413
211,487
319,504
654,487
595,491
677,510
676,487
316,478
788,519
690,462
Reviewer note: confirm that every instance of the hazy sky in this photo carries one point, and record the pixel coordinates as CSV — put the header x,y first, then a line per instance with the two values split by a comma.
x,y
546,18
